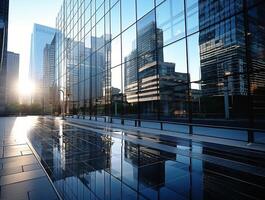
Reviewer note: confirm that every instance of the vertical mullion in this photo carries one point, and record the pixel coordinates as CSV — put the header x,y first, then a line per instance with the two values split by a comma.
x,y
188,72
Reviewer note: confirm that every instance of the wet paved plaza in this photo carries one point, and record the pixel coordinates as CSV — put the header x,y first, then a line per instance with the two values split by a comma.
x,y
89,162
21,175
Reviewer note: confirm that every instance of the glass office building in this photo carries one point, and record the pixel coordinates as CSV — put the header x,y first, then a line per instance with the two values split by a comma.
x,y
4,8
12,78
40,36
190,61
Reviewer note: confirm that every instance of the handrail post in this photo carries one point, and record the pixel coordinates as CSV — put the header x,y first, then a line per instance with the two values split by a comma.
x,y
250,136
190,129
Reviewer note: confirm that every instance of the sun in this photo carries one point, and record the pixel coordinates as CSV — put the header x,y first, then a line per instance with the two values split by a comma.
x,y
25,88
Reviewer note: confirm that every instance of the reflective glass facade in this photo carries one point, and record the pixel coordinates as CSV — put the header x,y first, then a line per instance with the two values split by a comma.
x,y
4,9
196,61
40,36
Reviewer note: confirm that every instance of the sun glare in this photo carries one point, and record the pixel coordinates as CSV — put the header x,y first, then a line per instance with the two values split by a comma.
x,y
26,88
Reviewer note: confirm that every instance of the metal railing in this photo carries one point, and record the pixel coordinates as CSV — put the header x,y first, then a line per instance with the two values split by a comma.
x,y
161,125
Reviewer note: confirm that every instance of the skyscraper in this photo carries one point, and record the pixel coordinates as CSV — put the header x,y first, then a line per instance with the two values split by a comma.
x,y
12,78
48,75
40,36
4,7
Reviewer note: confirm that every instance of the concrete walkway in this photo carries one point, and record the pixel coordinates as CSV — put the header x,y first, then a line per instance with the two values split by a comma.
x,y
21,175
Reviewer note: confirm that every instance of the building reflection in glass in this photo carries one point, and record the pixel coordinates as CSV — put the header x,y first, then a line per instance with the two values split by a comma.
x,y
187,61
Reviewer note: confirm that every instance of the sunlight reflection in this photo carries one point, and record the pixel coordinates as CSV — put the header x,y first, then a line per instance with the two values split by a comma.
x,y
62,145
21,127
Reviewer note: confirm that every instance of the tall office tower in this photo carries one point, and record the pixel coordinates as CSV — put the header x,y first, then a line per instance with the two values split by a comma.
x,y
48,76
4,7
40,36
12,78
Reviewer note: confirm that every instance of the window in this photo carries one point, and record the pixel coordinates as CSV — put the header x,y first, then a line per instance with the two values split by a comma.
x,y
116,52
128,13
115,20
170,21
143,7
129,44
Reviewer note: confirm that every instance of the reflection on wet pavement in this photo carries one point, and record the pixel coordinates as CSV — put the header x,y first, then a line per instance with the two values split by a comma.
x,y
111,164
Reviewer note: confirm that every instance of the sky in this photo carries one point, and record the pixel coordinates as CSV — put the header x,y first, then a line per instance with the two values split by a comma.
x,y
22,15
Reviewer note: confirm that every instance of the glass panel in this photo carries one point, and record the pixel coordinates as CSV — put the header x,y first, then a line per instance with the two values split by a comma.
x,y
100,33
257,47
107,24
143,7
130,88
173,81
129,44
81,97
211,12
99,2
194,58
100,87
170,20
159,2
223,87
100,13
112,2
115,20
147,66
116,52
128,13
94,88
192,10
116,91
146,37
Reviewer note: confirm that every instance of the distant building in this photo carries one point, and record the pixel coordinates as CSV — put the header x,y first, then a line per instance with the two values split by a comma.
x,y
4,7
48,75
12,78
41,36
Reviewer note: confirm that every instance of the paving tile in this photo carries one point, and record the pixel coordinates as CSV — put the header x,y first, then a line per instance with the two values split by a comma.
x,y
18,161
19,177
32,188
29,152
10,170
16,147
14,196
13,142
31,167
12,153
42,194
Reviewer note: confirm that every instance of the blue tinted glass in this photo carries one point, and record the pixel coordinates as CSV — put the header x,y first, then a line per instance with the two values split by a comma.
x,y
115,20
143,7
128,13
